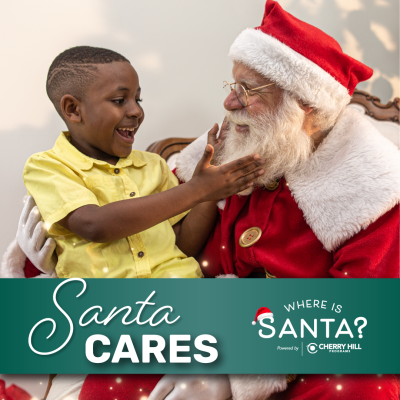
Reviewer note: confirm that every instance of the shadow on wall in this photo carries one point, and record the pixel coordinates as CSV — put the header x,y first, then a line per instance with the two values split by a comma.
x,y
17,146
367,30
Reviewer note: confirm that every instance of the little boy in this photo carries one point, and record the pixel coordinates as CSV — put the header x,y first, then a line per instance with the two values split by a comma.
x,y
111,209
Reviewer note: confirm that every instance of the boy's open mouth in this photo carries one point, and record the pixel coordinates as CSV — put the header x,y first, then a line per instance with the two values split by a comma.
x,y
126,134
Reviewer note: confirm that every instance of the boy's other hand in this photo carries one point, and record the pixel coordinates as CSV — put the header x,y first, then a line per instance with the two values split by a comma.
x,y
31,237
215,183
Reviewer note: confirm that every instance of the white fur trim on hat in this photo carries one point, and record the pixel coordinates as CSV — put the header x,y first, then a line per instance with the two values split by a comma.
x,y
290,70
351,180
264,315
256,387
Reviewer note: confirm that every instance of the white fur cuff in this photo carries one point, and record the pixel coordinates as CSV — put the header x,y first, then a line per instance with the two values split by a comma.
x,y
13,262
189,157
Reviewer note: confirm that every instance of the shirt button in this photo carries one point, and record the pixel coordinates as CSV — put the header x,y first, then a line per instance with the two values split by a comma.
x,y
140,254
116,170
132,194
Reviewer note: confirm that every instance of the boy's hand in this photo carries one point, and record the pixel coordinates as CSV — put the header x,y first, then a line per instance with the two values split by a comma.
x,y
31,237
216,183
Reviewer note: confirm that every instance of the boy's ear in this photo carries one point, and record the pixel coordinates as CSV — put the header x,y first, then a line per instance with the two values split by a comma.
x,y
70,108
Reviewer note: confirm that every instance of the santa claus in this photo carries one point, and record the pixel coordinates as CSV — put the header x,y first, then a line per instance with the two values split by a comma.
x,y
325,207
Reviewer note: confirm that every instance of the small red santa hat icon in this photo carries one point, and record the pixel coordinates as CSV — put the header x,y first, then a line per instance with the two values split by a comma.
x,y
263,312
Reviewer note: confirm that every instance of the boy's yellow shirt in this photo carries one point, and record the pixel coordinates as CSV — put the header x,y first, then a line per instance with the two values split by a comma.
x,y
64,179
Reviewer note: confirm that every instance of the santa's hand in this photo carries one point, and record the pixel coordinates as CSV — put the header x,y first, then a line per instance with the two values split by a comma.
x,y
31,237
193,387
217,142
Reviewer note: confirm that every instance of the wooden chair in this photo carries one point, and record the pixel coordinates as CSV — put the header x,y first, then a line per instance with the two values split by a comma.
x,y
371,104
375,109
166,147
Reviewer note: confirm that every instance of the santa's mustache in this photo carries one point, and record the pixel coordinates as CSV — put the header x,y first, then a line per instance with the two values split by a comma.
x,y
241,117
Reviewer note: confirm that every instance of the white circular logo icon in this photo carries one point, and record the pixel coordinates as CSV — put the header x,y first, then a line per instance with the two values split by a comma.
x,y
312,348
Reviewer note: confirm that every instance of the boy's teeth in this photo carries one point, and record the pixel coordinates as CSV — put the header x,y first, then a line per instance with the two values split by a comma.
x,y
126,132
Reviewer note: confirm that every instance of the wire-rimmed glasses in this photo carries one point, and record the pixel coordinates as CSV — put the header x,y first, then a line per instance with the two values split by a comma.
x,y
241,92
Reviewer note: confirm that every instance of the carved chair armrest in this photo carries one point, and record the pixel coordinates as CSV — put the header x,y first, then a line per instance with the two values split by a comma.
x,y
375,109
166,147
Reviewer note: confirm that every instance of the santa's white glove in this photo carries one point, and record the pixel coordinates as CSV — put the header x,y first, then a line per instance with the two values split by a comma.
x,y
31,237
193,387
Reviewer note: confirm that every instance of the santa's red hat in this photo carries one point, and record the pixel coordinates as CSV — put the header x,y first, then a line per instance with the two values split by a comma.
x,y
263,312
301,59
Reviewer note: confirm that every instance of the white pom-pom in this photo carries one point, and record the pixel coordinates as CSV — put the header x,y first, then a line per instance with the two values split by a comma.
x,y
253,323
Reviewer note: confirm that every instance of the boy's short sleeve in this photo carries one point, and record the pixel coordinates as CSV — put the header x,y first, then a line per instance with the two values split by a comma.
x,y
56,189
169,182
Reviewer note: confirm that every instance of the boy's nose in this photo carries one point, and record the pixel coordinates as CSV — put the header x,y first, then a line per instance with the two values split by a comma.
x,y
135,111
232,103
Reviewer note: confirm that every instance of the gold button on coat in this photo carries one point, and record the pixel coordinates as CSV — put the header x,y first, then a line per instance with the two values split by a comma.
x,y
272,185
250,237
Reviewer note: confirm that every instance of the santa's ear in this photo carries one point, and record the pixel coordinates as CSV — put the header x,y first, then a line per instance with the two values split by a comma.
x,y
306,108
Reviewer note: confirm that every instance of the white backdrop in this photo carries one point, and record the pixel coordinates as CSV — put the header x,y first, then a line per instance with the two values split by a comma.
x,y
178,47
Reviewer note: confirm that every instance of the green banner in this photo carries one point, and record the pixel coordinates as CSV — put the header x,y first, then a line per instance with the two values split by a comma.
x,y
78,326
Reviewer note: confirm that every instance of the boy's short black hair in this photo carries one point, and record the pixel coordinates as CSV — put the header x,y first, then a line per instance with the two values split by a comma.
x,y
74,70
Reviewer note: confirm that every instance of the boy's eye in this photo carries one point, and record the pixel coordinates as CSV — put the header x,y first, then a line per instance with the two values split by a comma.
x,y
118,101
139,100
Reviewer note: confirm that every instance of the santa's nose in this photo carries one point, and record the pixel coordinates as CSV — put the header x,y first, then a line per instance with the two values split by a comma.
x,y
232,103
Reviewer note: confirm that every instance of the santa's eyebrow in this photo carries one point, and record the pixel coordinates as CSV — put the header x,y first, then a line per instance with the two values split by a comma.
x,y
249,83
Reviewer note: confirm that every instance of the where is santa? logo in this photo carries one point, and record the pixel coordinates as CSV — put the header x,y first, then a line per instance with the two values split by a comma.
x,y
264,313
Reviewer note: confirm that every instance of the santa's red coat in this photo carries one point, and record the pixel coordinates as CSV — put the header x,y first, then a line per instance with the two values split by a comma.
x,y
288,248
341,387
305,387
13,392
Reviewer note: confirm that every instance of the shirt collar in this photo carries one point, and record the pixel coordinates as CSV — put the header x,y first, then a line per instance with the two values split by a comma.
x,y
83,162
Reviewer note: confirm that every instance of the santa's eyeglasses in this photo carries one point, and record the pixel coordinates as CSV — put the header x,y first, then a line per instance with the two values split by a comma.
x,y
241,92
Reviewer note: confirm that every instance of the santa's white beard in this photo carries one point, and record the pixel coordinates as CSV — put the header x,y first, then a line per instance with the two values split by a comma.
x,y
277,137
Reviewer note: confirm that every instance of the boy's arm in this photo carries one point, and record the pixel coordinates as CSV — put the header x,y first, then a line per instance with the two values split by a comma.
x,y
196,228
124,218
193,231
